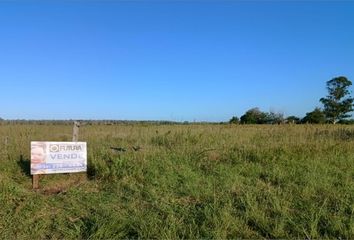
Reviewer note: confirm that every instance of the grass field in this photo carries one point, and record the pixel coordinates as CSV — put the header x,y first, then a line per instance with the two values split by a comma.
x,y
185,181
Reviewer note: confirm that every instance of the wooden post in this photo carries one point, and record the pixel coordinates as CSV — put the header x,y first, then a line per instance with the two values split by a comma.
x,y
35,181
76,131
76,137
6,143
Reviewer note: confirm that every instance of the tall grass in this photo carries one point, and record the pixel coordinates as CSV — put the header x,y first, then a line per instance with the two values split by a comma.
x,y
184,181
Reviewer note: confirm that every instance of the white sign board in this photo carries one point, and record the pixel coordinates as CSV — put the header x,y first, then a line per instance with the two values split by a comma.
x,y
58,157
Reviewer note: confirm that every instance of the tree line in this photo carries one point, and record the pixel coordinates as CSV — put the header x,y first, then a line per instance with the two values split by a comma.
x,y
336,108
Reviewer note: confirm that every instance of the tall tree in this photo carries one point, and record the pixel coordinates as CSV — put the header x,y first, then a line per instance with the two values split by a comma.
x,y
338,103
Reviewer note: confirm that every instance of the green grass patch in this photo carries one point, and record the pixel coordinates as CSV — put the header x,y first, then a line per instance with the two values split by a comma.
x,y
184,181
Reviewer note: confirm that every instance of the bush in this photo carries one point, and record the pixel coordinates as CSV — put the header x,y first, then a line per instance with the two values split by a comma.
x,y
316,116
254,116
234,120
293,119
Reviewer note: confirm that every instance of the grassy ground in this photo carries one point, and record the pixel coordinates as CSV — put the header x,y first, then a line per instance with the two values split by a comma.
x,y
185,181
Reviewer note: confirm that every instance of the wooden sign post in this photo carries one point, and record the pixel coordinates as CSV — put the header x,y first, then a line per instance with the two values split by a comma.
x,y
75,151
35,181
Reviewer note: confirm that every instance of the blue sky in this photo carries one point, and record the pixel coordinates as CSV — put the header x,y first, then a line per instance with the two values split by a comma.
x,y
170,60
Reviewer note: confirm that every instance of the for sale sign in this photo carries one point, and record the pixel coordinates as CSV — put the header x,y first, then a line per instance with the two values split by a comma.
x,y
58,157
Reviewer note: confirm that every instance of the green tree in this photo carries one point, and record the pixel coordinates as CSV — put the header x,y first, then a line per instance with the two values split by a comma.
x,y
234,120
338,103
274,117
293,119
316,116
254,116
347,121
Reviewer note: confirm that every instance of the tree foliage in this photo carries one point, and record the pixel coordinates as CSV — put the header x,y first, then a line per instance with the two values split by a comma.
x,y
234,120
256,116
274,118
293,120
338,103
316,116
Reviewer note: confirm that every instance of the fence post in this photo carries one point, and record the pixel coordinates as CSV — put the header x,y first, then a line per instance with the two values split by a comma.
x,y
76,131
76,137
6,143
